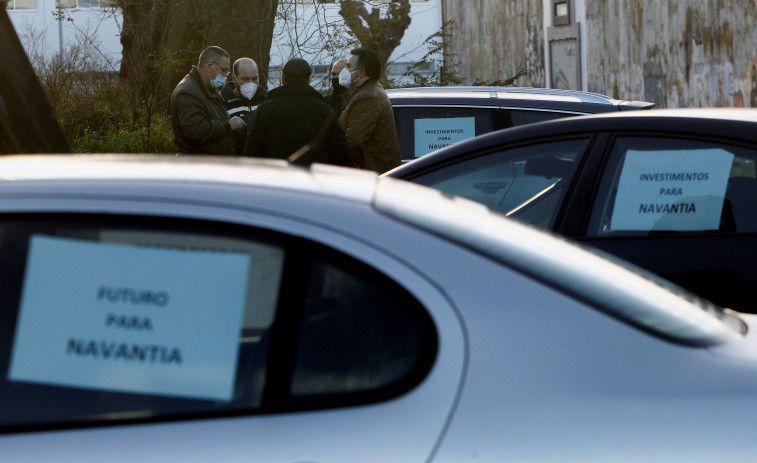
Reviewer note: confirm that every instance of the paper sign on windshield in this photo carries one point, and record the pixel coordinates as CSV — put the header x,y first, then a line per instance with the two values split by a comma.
x,y
672,190
128,318
432,134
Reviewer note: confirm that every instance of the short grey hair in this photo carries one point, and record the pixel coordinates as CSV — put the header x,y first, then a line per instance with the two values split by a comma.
x,y
212,54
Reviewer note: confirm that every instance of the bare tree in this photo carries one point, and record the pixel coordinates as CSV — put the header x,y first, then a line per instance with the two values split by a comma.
x,y
380,29
324,31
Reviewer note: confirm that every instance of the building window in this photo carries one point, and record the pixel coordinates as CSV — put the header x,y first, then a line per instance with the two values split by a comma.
x,y
560,12
22,4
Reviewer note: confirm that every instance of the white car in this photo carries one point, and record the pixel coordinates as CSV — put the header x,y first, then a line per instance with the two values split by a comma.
x,y
168,309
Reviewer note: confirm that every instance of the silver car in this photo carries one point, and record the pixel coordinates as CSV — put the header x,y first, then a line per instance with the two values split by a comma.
x,y
163,309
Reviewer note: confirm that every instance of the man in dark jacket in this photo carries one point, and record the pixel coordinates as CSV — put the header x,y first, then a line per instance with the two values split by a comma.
x,y
368,118
242,95
295,123
199,120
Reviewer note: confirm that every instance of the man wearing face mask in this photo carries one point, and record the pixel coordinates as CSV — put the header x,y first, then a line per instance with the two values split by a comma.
x,y
295,123
242,95
199,120
339,92
368,119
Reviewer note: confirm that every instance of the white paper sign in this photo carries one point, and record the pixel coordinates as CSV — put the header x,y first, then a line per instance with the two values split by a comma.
x,y
432,134
132,319
672,190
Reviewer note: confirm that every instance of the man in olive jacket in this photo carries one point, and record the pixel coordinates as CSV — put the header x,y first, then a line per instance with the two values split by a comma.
x,y
295,123
199,119
368,119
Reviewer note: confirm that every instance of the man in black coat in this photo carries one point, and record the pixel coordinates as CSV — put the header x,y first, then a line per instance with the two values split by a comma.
x,y
295,123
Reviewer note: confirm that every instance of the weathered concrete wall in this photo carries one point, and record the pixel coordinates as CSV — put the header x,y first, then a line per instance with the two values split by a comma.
x,y
678,53
492,39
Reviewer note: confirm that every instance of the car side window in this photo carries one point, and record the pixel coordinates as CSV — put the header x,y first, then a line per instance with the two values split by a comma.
x,y
422,130
527,183
357,334
657,185
107,321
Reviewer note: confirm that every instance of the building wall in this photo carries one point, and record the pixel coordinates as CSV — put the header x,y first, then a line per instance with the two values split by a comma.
x,y
492,39
677,53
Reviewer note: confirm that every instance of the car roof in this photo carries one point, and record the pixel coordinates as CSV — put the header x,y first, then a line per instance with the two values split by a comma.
x,y
622,293
507,96
737,124
358,185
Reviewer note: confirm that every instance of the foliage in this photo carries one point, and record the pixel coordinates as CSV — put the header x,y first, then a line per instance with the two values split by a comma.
x,y
91,104
128,138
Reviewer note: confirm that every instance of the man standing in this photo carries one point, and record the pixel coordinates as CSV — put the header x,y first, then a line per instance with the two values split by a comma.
x,y
199,120
368,119
335,99
295,123
242,95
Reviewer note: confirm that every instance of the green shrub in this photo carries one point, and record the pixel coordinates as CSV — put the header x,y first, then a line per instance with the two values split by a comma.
x,y
127,138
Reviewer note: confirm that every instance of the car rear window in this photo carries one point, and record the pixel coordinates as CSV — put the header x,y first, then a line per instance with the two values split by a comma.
x,y
422,130
128,318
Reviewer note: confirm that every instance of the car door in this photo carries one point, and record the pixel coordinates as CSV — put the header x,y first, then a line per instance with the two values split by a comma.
x,y
216,336
684,208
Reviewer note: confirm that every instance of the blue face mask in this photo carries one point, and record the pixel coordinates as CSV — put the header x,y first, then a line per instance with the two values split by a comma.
x,y
219,80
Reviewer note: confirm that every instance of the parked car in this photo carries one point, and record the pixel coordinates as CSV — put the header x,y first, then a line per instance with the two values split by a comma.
x,y
430,118
197,309
673,191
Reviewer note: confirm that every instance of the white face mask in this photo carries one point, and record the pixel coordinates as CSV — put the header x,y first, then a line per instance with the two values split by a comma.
x,y
248,90
345,78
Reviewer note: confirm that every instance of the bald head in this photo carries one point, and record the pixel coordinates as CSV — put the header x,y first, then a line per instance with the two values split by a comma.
x,y
245,71
337,67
